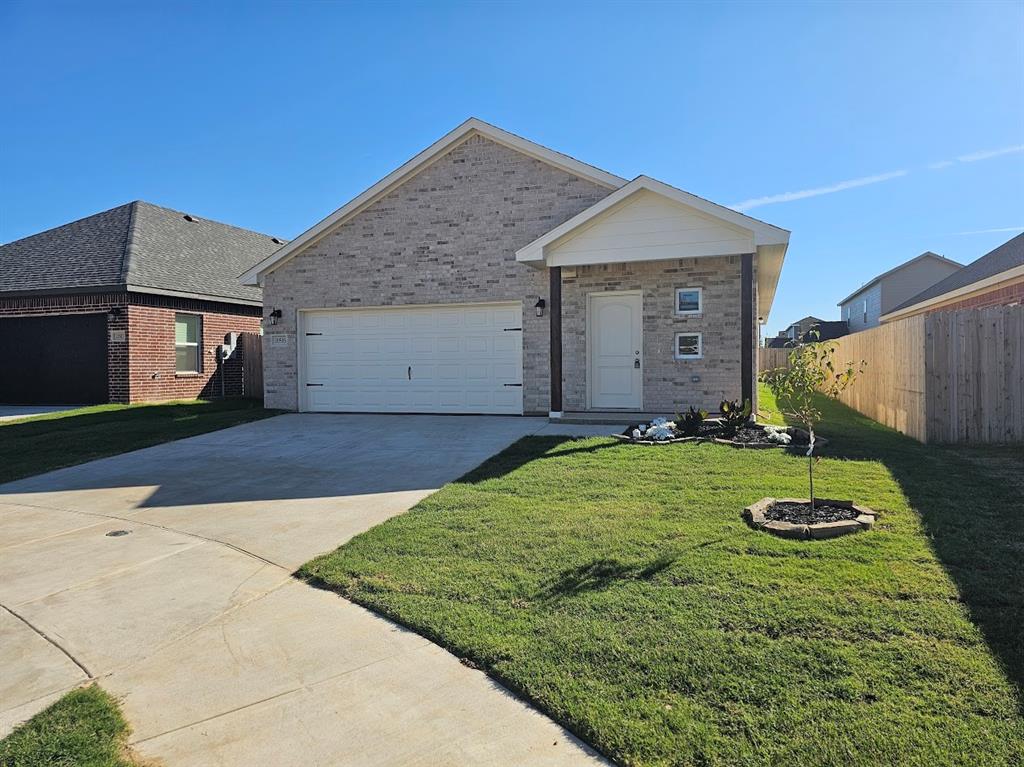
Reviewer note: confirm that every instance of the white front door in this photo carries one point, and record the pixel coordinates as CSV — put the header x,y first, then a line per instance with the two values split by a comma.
x,y
435,359
614,340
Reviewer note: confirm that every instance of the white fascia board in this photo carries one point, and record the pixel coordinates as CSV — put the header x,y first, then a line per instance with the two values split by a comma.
x,y
952,295
762,233
470,127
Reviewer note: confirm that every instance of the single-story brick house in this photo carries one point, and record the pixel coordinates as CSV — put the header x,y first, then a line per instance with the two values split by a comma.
x,y
132,304
995,279
490,274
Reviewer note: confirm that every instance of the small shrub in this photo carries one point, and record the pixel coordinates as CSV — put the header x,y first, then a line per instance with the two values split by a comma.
x,y
733,415
690,422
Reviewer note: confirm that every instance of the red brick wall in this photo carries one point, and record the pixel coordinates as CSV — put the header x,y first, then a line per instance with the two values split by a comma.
x,y
142,368
1003,295
152,374
117,353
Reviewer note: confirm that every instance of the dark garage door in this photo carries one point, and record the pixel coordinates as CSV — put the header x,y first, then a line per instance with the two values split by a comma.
x,y
53,360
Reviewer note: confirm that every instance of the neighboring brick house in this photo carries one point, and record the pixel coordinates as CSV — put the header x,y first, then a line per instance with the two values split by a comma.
x,y
493,275
128,305
995,279
863,309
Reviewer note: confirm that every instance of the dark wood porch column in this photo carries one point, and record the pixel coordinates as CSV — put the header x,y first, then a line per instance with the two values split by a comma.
x,y
555,323
747,320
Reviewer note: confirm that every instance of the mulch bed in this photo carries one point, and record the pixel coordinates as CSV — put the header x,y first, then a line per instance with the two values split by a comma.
x,y
802,514
793,518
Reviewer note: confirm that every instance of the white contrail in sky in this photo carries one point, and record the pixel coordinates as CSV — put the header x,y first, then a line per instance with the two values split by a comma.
x,y
853,183
990,153
841,186
993,231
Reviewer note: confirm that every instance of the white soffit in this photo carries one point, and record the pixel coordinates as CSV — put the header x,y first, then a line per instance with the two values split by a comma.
x,y
396,178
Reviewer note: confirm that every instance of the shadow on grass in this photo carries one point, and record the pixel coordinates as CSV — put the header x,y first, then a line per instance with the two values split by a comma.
x,y
525,451
600,574
970,502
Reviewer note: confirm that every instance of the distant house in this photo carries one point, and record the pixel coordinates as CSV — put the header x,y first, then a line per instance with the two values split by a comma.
x,y
806,330
995,279
864,308
127,305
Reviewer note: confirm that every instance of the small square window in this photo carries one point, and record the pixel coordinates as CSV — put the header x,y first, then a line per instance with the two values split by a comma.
x,y
689,301
689,346
188,330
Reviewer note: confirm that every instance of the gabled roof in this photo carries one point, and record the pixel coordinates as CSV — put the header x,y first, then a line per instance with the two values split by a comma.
x,y
139,247
1008,256
810,318
926,255
468,129
769,241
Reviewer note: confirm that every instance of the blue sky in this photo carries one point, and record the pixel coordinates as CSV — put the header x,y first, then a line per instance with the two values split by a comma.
x,y
270,116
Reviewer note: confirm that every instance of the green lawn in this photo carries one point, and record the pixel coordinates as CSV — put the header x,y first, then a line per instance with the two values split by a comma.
x,y
82,729
617,587
42,443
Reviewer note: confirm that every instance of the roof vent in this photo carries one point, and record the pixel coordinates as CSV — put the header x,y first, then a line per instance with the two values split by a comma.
x,y
187,217
275,241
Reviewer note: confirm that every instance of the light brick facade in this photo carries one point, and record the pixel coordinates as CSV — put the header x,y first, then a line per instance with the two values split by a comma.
x,y
450,234
667,382
142,367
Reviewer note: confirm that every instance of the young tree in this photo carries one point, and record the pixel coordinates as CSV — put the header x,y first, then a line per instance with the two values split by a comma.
x,y
812,369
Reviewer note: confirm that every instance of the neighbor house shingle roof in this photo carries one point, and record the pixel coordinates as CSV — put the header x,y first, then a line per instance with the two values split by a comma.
x,y
139,247
1006,256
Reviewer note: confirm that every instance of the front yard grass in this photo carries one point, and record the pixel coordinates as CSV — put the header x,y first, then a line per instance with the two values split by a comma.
x,y
617,588
83,729
42,443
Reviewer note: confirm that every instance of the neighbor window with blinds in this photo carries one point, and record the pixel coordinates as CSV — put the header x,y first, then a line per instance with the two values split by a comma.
x,y
188,330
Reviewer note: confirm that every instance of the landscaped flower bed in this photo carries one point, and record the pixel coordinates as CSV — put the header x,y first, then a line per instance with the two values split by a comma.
x,y
662,431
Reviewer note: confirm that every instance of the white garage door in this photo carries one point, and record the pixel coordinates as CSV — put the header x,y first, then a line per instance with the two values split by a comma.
x,y
441,359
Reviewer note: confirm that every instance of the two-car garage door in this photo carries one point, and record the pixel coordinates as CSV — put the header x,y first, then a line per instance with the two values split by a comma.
x,y
437,359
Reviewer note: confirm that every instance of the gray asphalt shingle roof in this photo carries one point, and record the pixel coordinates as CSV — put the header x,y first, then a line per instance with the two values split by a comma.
x,y
1006,256
137,246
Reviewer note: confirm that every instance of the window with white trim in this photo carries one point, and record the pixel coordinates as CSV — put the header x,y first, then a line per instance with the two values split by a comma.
x,y
689,301
188,332
689,346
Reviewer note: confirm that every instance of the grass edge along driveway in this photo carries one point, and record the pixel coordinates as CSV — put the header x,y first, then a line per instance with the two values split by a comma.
x,y
38,444
617,588
85,727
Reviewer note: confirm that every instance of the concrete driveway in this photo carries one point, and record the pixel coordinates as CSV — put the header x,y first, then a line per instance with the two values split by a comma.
x,y
191,616
14,412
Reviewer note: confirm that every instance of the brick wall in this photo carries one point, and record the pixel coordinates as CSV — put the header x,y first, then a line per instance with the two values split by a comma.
x,y
448,235
152,374
142,367
667,384
1001,295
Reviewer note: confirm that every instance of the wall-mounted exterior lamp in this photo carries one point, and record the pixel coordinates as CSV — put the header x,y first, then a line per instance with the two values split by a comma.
x,y
539,306
274,316
115,311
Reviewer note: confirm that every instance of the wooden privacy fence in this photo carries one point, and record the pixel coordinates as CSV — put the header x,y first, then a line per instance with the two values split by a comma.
x,y
252,364
943,377
769,359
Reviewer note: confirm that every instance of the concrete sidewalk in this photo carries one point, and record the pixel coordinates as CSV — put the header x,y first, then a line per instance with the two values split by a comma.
x,y
192,618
